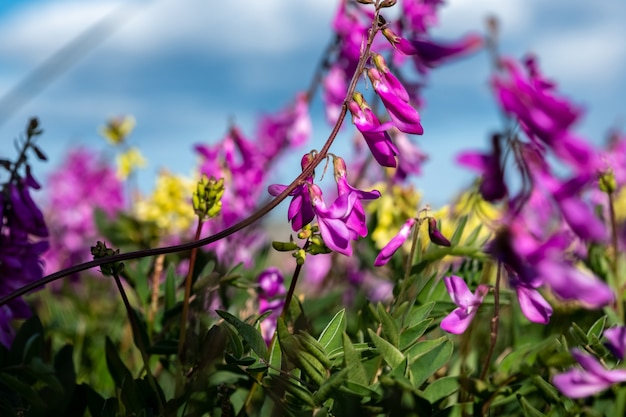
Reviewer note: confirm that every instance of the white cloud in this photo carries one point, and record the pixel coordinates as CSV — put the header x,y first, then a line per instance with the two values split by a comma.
x,y
594,55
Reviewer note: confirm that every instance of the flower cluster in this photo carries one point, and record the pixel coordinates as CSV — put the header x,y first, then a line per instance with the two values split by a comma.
x,y
23,235
341,222
81,185
245,164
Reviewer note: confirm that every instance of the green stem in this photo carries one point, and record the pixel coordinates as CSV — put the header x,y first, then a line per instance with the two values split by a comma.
x,y
260,213
139,341
185,314
292,289
494,323
615,260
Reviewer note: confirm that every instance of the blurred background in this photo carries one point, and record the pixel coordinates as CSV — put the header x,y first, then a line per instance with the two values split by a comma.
x,y
185,69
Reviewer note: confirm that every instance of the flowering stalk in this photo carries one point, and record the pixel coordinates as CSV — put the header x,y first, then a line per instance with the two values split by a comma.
x,y
260,213
494,322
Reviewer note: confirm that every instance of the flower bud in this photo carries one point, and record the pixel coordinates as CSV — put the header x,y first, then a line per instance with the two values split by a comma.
x,y
388,3
284,246
435,235
607,183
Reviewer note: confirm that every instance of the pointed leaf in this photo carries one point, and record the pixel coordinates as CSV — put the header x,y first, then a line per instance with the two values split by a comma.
x,y
389,353
248,332
390,328
275,359
441,388
331,337
429,362
352,362
411,335
458,233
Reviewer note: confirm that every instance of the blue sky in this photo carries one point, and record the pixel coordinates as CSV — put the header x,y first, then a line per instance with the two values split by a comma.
x,y
184,68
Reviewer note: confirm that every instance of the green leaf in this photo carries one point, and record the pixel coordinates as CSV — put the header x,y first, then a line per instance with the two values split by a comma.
x,y
26,391
119,372
236,346
275,359
170,287
471,238
411,335
528,409
330,386
597,328
458,233
360,390
331,337
352,362
26,335
419,313
390,328
426,363
248,332
389,353
441,388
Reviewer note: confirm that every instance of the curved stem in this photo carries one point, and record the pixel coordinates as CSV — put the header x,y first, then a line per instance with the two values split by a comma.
x,y
260,213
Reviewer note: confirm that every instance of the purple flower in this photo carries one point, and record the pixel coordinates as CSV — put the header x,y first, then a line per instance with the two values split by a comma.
x,y
616,341
435,235
394,244
300,211
460,318
492,187
81,185
271,290
534,307
411,157
403,115
379,141
429,53
590,380
356,220
25,213
332,220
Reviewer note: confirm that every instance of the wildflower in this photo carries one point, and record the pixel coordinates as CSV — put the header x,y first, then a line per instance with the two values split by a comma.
x,y
460,318
590,380
403,115
616,341
356,219
411,157
118,129
379,141
79,187
435,235
394,244
128,161
534,307
271,291
492,187
300,212
429,53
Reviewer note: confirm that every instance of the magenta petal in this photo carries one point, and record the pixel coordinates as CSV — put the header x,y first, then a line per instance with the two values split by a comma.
x,y
458,320
534,307
616,341
336,235
394,244
276,189
458,290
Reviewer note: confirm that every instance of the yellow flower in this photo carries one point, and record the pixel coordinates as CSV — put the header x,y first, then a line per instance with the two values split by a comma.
x,y
391,210
128,161
118,128
169,206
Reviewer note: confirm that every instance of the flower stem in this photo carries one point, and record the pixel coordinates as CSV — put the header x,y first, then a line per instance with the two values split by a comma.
x,y
139,341
615,260
184,316
292,289
260,213
494,322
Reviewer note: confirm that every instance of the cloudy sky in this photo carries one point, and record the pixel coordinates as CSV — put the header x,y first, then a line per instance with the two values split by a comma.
x,y
185,68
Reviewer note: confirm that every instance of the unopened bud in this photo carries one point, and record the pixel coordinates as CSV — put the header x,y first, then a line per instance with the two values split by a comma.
x,y
388,3
435,235
284,246
607,183
300,256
